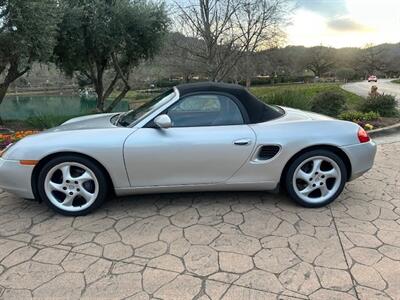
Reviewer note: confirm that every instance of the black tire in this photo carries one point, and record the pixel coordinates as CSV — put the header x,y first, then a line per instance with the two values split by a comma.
x,y
292,168
94,167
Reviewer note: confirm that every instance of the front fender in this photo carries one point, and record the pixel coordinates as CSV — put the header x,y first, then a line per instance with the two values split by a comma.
x,y
103,145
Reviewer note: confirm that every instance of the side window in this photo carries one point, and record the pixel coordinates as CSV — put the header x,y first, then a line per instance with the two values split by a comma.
x,y
198,103
205,110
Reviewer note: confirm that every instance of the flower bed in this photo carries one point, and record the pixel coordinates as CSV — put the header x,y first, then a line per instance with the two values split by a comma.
x,y
12,137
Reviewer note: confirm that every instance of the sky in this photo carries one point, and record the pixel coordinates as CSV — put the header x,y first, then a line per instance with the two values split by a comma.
x,y
344,23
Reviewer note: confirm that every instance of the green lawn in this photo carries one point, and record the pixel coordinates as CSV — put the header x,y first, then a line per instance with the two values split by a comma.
x,y
300,95
396,81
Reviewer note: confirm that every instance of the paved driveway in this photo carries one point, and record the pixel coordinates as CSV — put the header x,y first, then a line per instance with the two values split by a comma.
x,y
210,246
362,88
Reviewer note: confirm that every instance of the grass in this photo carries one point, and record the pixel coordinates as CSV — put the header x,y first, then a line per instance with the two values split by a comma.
x,y
47,121
396,81
300,95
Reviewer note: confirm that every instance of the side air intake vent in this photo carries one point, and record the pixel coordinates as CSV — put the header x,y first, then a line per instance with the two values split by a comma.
x,y
268,152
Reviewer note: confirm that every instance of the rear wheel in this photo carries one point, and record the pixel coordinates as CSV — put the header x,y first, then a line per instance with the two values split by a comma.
x,y
72,185
316,178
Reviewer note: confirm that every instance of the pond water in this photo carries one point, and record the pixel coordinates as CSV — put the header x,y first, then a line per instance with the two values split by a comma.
x,y
24,107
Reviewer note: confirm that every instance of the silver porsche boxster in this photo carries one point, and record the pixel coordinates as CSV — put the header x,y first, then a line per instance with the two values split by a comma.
x,y
194,137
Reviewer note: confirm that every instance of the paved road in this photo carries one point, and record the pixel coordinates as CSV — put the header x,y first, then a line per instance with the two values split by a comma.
x,y
211,245
384,86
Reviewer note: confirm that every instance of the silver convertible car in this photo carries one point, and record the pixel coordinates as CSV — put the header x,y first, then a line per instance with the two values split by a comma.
x,y
194,137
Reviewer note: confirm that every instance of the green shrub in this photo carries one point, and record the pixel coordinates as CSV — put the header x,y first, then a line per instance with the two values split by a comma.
x,y
385,105
356,116
328,103
289,98
47,121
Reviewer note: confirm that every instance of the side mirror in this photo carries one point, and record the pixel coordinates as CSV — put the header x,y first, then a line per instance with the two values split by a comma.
x,y
163,121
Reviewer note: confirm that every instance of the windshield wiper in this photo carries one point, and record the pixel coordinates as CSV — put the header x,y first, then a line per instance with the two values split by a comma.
x,y
120,120
121,115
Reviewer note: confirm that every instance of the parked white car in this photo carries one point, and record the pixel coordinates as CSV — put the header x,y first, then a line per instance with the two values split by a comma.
x,y
194,137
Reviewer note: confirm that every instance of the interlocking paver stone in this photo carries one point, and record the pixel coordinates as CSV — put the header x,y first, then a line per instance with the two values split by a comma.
x,y
183,287
260,280
167,262
243,245
153,279
201,260
334,279
50,256
201,234
29,275
66,285
152,250
237,243
300,278
235,263
114,287
275,260
144,231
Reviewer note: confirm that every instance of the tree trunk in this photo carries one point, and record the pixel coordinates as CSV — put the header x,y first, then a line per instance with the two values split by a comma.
x,y
248,72
100,104
100,97
117,100
97,78
248,81
3,91
188,77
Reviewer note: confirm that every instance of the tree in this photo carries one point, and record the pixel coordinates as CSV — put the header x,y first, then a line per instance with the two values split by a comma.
x,y
370,60
319,60
259,25
209,24
345,73
27,34
224,31
109,37
176,60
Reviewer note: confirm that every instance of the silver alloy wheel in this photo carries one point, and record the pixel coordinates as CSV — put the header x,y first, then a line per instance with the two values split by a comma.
x,y
71,186
317,179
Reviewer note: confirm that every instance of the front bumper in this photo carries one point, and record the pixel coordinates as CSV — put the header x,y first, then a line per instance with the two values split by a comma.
x,y
361,157
16,178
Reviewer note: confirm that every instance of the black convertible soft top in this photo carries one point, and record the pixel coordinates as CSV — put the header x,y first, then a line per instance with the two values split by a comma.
x,y
257,111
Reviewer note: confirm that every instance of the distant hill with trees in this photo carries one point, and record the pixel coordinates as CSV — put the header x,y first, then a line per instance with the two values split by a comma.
x,y
116,46
289,63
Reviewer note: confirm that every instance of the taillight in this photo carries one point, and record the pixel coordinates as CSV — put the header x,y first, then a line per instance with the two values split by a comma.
x,y
363,136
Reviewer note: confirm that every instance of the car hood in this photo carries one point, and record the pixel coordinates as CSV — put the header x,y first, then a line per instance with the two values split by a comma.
x,y
86,122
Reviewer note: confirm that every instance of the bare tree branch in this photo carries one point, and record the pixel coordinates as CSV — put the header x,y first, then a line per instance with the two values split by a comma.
x,y
230,29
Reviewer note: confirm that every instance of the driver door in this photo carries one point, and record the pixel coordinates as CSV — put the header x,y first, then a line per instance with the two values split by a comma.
x,y
207,143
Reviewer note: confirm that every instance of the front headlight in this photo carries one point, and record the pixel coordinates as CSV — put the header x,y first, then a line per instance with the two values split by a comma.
x,y
2,152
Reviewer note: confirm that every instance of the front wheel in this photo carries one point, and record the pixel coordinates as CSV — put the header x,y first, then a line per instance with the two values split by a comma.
x,y
72,185
316,178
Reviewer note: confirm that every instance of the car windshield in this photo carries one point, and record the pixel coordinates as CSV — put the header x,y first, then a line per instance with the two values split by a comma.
x,y
134,116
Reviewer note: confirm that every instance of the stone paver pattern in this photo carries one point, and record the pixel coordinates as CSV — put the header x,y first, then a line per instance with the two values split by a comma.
x,y
210,245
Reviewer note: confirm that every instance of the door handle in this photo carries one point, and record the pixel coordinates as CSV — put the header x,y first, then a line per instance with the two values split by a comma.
x,y
242,142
